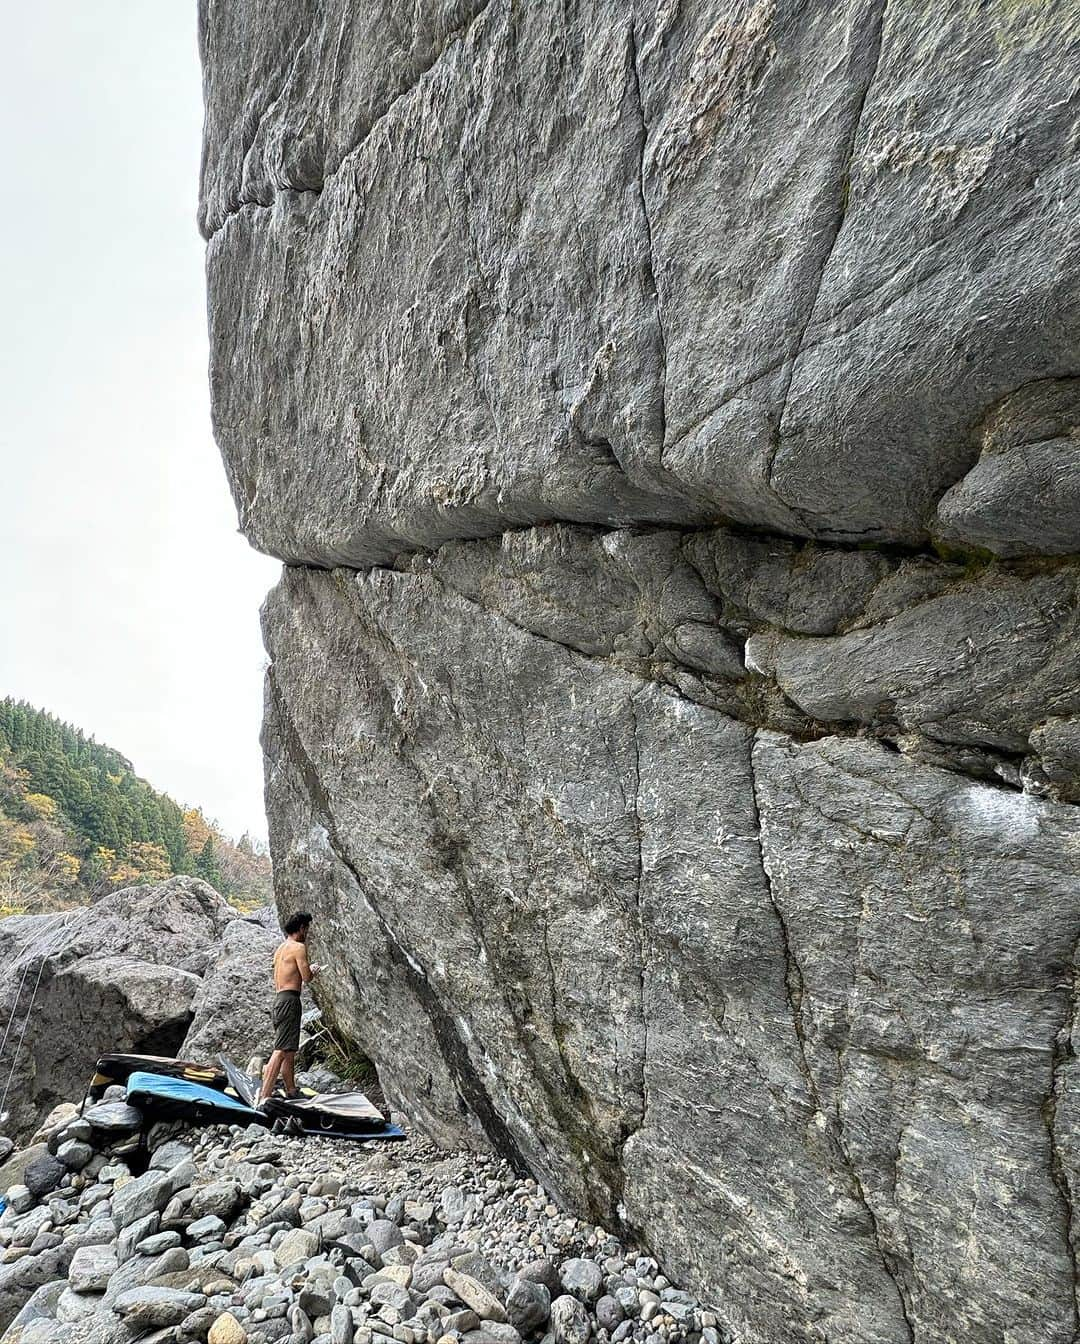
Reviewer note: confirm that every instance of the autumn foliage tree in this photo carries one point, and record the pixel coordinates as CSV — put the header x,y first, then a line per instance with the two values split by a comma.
x,y
76,822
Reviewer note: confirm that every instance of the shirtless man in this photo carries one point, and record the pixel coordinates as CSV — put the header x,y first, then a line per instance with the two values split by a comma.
x,y
291,973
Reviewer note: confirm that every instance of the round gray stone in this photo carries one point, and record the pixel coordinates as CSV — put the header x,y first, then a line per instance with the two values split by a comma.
x,y
609,1312
75,1154
543,1271
43,1175
528,1305
583,1278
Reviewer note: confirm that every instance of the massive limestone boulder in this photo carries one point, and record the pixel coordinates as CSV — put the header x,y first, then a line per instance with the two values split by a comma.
x,y
668,416
144,969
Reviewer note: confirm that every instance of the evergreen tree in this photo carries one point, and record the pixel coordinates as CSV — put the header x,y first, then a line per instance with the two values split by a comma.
x,y
206,865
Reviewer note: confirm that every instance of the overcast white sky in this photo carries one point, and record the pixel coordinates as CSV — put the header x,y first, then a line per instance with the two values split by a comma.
x,y
128,601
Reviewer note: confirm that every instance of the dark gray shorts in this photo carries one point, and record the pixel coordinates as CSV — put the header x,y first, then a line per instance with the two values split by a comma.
x,y
286,1019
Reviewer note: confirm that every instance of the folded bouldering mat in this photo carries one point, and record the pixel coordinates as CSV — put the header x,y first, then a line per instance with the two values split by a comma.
x,y
161,1097
116,1069
346,1115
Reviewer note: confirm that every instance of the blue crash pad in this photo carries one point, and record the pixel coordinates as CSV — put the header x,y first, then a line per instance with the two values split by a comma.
x,y
156,1086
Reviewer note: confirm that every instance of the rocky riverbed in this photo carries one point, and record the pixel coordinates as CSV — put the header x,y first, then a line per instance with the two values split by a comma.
x,y
233,1235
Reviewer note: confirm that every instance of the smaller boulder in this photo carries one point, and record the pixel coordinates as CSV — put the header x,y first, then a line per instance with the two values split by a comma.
x,y
152,1308
91,1268
491,1332
170,1154
473,1293
150,1192
609,1312
296,1246
569,1321
142,1270
19,1199
382,1234
43,1175
210,1228
197,1325
385,1294
79,1128
584,1279
158,1242
136,1233
399,1274
481,1269
543,1271
341,1325
300,1325
461,1322
427,1274
74,1307
455,1204
220,1198
226,1330
75,1154
528,1305
114,1117
315,1300
57,1120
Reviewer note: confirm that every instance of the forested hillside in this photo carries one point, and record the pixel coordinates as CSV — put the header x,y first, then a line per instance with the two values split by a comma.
x,y
76,821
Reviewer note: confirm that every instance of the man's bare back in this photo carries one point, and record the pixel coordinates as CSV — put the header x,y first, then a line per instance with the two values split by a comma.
x,y
291,969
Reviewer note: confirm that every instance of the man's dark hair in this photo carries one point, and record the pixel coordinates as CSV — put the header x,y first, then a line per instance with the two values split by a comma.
x,y
297,922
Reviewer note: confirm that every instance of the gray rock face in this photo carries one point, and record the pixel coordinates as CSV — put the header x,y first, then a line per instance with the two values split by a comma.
x,y
869,951
669,416
231,1007
1021,496
750,274
112,979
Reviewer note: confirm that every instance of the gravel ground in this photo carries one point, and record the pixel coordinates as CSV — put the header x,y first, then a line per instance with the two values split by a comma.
x,y
239,1236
